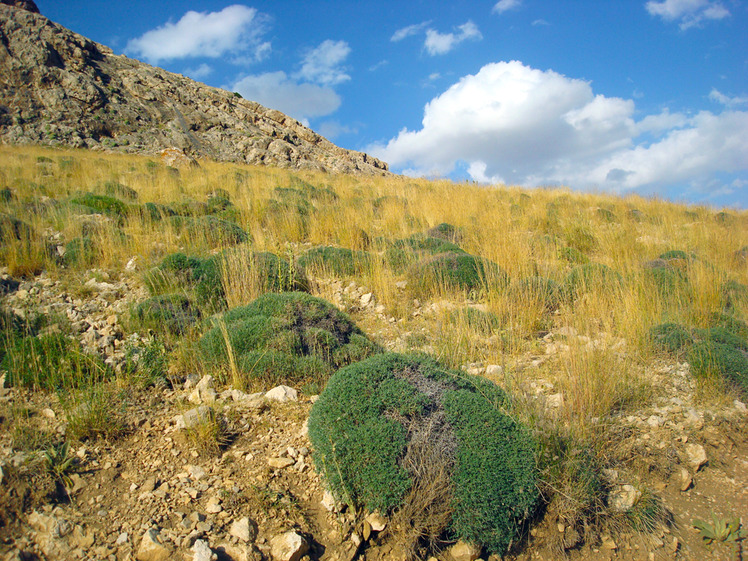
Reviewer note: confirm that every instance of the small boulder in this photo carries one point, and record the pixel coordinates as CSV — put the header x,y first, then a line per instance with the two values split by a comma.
x,y
202,552
243,530
288,547
624,498
696,456
151,548
282,394
463,551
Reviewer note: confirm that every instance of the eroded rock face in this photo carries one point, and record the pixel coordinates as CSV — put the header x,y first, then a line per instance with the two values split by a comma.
x,y
57,87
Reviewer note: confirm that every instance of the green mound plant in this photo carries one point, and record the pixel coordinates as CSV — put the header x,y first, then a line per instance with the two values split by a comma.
x,y
708,358
581,239
340,261
544,291
290,338
118,190
207,276
81,251
668,281
674,254
734,295
434,448
215,231
12,228
173,313
573,255
589,277
427,245
455,271
484,323
50,362
103,204
446,232
670,337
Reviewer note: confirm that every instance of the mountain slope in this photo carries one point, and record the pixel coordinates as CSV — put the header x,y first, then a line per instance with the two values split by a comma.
x,y
58,87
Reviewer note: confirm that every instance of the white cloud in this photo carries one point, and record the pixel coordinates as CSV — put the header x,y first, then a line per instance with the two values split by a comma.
x,y
323,63
689,13
516,124
333,129
540,22
299,100
235,29
404,32
504,5
719,97
441,43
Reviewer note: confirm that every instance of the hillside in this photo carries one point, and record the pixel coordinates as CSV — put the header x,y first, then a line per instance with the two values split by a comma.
x,y
144,414
59,88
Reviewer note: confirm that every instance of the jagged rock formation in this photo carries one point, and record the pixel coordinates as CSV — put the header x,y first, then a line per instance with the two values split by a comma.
x,y
57,87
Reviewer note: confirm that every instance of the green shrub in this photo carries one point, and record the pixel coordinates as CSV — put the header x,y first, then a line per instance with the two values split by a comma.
x,y
581,239
81,251
674,254
156,212
174,313
538,289
290,337
343,262
147,365
446,232
427,245
709,359
734,295
731,324
218,203
115,189
724,337
606,215
455,271
394,424
669,282
103,204
50,362
485,323
215,231
13,229
573,255
669,337
591,277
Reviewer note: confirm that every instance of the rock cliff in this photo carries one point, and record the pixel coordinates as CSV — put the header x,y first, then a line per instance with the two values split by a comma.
x,y
58,87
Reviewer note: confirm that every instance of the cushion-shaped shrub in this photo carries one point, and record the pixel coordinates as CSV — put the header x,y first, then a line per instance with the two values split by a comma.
x,y
593,276
118,190
581,238
446,232
174,313
104,204
573,255
674,254
538,289
723,336
12,228
393,425
290,337
734,294
709,359
731,323
215,231
669,282
427,245
340,261
156,212
455,271
81,251
485,323
606,215
670,337
50,362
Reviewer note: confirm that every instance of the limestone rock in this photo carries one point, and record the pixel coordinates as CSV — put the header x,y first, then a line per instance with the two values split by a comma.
x,y
685,480
624,497
463,551
282,394
376,521
696,456
193,417
201,551
244,530
288,547
151,548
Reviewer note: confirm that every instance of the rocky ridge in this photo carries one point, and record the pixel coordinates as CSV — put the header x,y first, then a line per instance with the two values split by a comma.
x,y
60,88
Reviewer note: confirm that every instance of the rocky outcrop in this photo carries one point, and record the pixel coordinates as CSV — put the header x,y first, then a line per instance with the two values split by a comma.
x,y
57,87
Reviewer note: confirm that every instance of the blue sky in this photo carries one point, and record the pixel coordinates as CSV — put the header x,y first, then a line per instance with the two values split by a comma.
x,y
623,96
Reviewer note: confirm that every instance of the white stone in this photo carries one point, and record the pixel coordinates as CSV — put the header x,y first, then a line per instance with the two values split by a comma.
x,y
328,501
696,456
243,529
282,394
201,551
366,299
280,463
494,370
555,400
463,551
132,264
121,539
624,498
205,382
740,406
655,422
288,547
213,506
151,548
193,417
376,521
685,479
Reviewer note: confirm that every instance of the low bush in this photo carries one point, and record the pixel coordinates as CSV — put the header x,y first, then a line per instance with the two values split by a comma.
x,y
118,190
455,271
340,261
215,231
734,295
669,337
12,228
539,290
81,251
708,358
446,232
591,277
103,204
427,245
400,428
50,362
573,255
290,338
674,254
669,282
484,323
581,239
173,313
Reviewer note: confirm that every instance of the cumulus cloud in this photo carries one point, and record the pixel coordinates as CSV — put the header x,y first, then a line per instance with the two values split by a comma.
x,y
408,31
441,43
199,72
333,129
504,5
236,29
689,13
323,63
278,91
719,97
511,123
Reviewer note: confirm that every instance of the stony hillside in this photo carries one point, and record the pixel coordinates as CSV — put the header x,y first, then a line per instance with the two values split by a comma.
x,y
57,87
